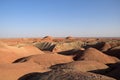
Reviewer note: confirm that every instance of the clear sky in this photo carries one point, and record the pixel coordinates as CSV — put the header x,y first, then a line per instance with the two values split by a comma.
x,y
59,18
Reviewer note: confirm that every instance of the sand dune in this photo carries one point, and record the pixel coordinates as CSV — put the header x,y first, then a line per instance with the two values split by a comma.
x,y
59,59
92,54
105,47
46,59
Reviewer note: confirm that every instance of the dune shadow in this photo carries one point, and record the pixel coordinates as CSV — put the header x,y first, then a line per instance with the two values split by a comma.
x,y
73,52
33,76
45,46
98,45
115,53
112,71
20,60
70,52
101,71
30,76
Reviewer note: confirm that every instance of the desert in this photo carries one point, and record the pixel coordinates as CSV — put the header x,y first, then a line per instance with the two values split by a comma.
x,y
66,58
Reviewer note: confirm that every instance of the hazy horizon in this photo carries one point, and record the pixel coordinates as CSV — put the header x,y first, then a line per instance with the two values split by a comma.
x,y
59,18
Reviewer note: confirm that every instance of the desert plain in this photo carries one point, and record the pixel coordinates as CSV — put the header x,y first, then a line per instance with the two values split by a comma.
x,y
68,58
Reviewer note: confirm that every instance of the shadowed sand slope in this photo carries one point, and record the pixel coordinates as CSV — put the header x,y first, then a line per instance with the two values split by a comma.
x,y
45,45
92,54
114,71
64,75
81,66
114,52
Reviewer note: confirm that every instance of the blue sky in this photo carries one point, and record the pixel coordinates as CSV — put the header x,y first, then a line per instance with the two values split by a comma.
x,y
59,18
